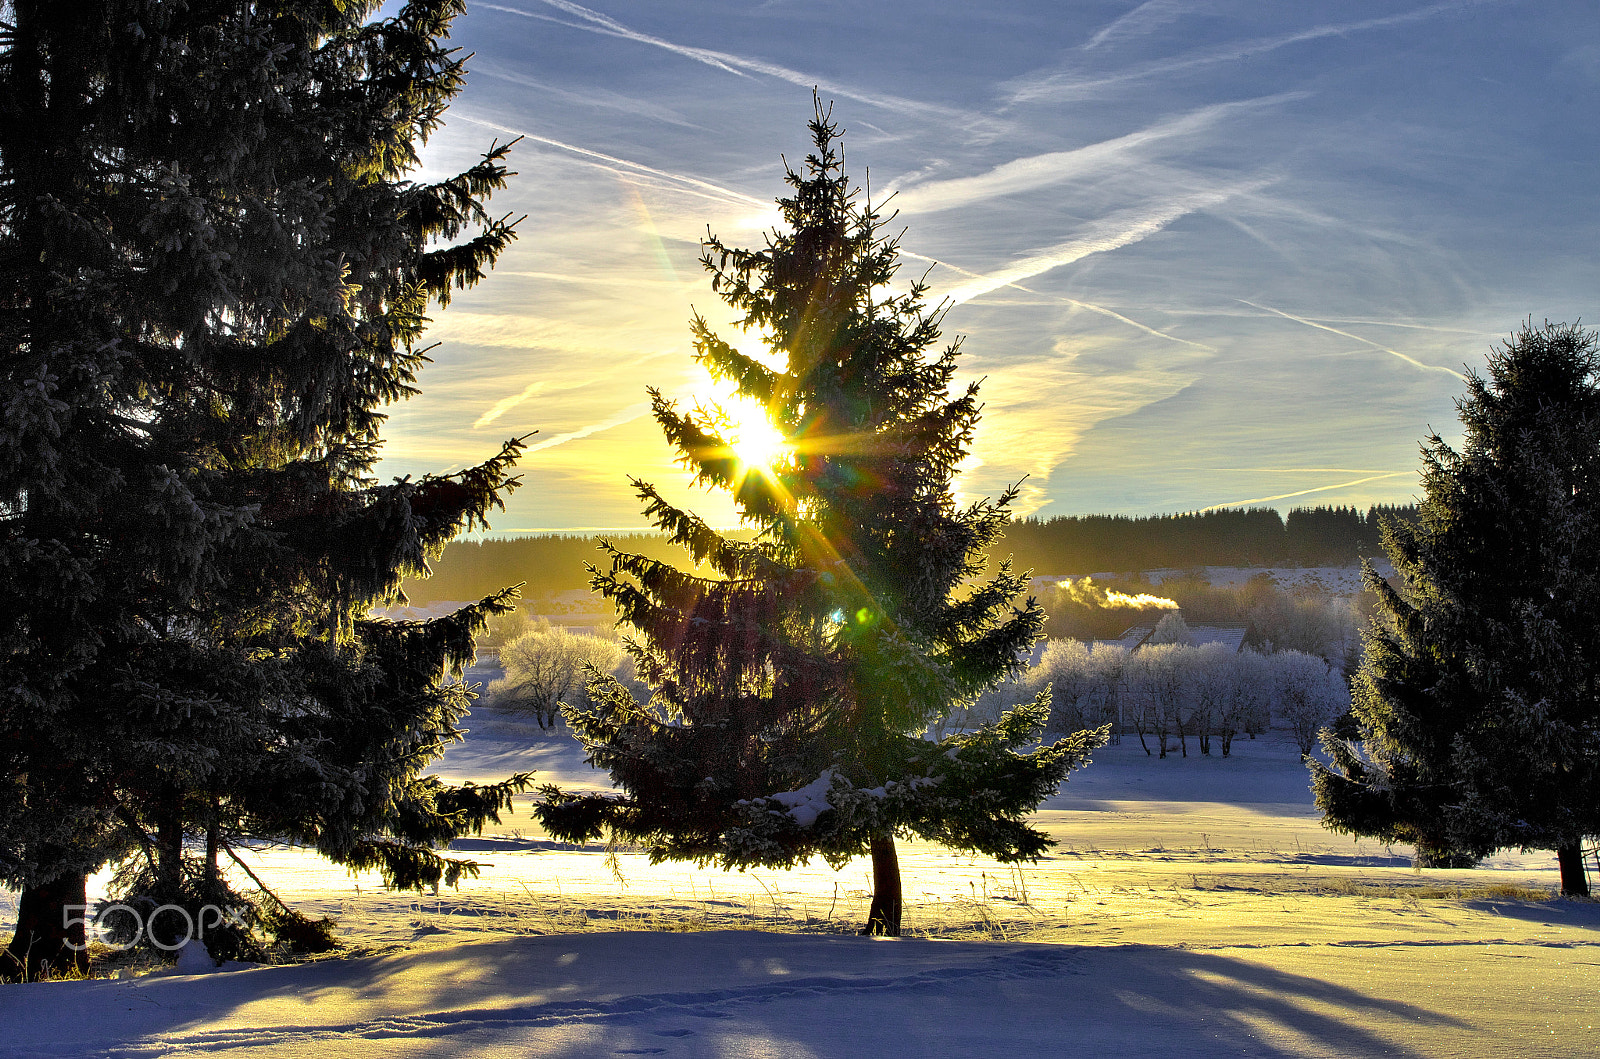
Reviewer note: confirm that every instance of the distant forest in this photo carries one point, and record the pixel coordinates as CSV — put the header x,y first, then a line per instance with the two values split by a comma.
x,y
1070,545
1257,536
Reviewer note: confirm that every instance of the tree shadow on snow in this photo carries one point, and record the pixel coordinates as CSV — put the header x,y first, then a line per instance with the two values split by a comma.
x,y
726,992
1229,1001
1559,912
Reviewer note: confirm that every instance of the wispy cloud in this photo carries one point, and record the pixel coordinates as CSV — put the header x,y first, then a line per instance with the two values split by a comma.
x,y
522,332
1038,411
1109,233
1059,86
598,98
1043,170
738,65
1413,361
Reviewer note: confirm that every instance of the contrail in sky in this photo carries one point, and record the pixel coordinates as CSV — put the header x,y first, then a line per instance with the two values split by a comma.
x,y
1413,361
1064,300
739,66
595,22
1146,328
1142,19
1303,492
1043,170
1110,233
1058,86
592,98
506,404
627,415
623,167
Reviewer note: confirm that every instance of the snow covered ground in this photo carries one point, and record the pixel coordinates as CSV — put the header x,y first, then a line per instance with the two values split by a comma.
x,y
1194,907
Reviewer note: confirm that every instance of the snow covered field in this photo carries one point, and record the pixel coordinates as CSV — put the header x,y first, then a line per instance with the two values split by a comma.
x,y
1194,907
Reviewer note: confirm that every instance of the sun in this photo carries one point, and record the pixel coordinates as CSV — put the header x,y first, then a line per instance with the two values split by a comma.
x,y
751,435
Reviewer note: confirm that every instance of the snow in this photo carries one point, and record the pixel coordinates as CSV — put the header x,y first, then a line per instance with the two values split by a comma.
x,y
1194,907
194,959
810,801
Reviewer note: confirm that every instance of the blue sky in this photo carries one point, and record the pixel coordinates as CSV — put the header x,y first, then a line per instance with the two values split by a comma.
x,y
1202,253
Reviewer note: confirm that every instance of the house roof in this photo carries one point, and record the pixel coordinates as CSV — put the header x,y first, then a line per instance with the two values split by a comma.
x,y
1229,635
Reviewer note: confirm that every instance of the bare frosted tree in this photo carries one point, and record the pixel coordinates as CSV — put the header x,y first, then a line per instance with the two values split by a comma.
x,y
1156,682
1310,694
1016,690
1249,691
548,666
1068,668
1109,664
1212,677
1314,624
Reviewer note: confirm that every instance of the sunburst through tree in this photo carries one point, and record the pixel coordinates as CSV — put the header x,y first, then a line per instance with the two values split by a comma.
x,y
792,679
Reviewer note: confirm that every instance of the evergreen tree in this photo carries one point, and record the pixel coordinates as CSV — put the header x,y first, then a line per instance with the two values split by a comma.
x,y
792,678
1475,716
213,276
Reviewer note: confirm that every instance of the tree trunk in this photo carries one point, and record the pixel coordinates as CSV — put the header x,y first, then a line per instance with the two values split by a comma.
x,y
884,916
1574,881
169,845
44,945
213,876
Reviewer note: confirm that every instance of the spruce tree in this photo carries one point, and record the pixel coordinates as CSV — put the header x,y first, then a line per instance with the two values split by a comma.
x,y
1475,716
213,276
791,677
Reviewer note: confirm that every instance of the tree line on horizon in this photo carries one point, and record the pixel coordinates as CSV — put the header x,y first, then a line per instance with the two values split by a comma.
x,y
1072,544
1254,536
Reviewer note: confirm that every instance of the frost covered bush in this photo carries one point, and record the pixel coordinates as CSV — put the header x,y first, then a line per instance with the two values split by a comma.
x,y
548,666
1172,629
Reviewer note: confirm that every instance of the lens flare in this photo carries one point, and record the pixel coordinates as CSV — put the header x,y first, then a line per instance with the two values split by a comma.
x,y
753,437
